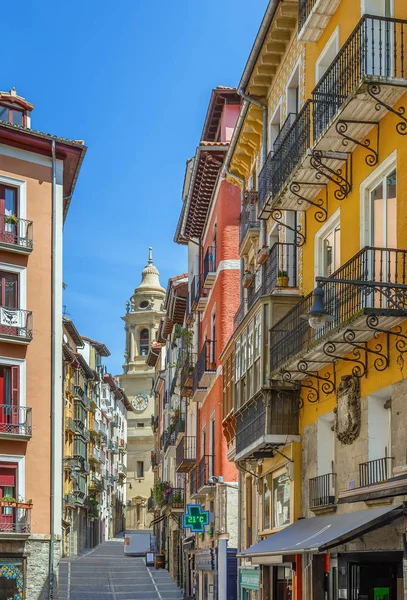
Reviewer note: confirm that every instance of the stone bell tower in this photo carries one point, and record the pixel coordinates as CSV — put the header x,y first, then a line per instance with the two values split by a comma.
x,y
143,314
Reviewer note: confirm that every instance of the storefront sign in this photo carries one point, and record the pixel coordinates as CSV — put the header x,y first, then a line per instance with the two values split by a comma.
x,y
250,579
195,519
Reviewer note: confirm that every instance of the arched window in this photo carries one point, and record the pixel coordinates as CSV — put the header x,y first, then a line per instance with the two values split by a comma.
x,y
144,342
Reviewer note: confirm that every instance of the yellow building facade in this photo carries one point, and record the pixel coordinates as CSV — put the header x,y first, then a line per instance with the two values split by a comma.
x,y
320,156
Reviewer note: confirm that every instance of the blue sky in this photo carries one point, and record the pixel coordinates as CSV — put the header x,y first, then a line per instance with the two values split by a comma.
x,y
132,79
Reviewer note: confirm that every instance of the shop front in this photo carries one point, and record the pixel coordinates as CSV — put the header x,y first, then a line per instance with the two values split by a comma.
x,y
12,579
205,564
249,583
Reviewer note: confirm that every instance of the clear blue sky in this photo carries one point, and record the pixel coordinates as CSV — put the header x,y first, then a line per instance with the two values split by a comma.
x,y
133,79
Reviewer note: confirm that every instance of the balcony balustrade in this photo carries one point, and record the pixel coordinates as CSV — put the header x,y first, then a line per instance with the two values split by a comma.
x,y
375,471
80,396
209,273
151,503
122,470
70,425
269,421
204,472
175,499
16,235
282,258
185,456
206,364
193,482
15,422
240,313
187,370
322,491
96,482
366,294
17,523
154,460
199,295
249,223
198,391
15,325
168,439
80,429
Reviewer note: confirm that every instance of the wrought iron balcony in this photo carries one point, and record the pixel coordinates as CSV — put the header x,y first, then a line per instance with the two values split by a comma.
x,y
313,17
322,491
16,235
185,457
199,295
179,426
269,421
18,522
122,470
366,296
70,425
198,390
15,325
15,422
96,482
240,313
374,52
80,396
282,259
175,499
249,223
187,371
209,274
206,364
167,439
154,460
375,471
80,497
151,503
80,429
205,471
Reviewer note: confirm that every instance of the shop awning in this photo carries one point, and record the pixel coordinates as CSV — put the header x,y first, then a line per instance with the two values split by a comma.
x,y
319,534
157,520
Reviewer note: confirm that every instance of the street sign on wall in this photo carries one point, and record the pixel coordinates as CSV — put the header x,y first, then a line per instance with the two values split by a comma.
x,y
195,518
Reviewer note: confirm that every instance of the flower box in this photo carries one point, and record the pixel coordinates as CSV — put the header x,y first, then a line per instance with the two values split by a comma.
x,y
262,255
247,280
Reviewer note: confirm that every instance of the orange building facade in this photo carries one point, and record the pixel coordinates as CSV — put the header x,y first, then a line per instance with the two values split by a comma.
x,y
38,173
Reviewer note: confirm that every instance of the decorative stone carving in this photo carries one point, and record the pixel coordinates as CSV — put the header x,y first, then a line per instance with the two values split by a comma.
x,y
347,412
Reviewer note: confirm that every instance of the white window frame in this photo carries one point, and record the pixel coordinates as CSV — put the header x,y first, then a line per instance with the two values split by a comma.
x,y
295,71
21,186
273,123
16,362
22,282
363,9
333,40
20,460
321,234
366,187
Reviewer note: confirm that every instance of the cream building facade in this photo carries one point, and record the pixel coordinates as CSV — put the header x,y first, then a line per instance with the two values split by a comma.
x,y
143,315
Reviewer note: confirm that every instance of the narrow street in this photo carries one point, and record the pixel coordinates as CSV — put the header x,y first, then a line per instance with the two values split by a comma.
x,y
106,574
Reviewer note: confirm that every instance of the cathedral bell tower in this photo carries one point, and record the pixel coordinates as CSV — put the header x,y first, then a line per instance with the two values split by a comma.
x,y
143,315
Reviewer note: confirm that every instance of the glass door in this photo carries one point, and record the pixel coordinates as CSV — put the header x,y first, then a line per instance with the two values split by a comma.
x,y
8,214
9,317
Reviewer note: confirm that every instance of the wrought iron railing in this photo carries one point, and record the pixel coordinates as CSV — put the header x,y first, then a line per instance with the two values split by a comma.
x,y
186,450
248,215
205,470
179,425
375,48
16,322
154,460
240,313
278,415
209,261
150,503
175,498
18,521
81,429
304,10
282,258
15,420
168,439
18,232
187,372
207,358
285,128
379,270
375,471
195,291
322,490
79,396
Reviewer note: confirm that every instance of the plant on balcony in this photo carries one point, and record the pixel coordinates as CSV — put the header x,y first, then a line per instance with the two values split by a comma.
x,y
263,254
177,498
159,490
10,501
175,415
248,278
282,279
11,219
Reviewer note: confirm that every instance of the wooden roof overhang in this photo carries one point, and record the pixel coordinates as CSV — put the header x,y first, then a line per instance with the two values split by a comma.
x,y
208,164
71,152
220,96
87,371
153,354
73,332
168,326
160,332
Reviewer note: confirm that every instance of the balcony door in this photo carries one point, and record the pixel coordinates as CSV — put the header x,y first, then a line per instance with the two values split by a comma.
x,y
9,399
10,318
378,38
7,488
8,209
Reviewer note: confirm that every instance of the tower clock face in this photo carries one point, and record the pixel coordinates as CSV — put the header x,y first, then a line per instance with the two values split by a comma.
x,y
140,402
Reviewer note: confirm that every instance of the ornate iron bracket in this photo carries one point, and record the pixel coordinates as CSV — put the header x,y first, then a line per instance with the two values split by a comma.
x,y
277,216
313,381
342,181
360,368
321,213
374,91
372,157
372,321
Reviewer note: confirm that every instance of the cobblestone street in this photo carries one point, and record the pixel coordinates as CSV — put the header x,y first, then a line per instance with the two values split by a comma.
x,y
106,574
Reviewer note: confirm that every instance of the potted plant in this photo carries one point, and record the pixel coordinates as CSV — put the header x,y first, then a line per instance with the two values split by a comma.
x,y
175,415
282,279
8,501
10,219
248,279
263,254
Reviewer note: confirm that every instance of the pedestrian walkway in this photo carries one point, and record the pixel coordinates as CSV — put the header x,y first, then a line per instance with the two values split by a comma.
x,y
106,574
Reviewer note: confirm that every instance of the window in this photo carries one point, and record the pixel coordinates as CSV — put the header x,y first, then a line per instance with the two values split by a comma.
x,y
8,483
11,115
327,55
8,289
138,513
257,335
250,340
266,505
281,500
293,93
237,361
383,213
144,304
328,247
9,398
140,425
144,342
140,469
243,353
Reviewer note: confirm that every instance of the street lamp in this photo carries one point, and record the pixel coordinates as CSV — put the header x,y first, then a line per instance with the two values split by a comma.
x,y
318,316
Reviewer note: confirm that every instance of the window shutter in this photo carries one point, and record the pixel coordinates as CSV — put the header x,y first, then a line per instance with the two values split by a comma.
x,y
8,475
15,385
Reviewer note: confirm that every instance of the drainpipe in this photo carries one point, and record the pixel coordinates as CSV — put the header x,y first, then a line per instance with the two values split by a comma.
x,y
256,102
53,373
